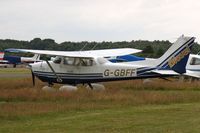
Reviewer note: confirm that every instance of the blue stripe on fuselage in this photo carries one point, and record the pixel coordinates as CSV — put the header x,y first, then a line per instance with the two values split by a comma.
x,y
97,79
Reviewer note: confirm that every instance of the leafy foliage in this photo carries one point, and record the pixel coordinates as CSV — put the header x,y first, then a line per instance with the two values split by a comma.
x,y
150,48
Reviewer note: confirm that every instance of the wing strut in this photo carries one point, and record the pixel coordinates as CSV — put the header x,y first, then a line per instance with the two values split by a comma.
x,y
59,80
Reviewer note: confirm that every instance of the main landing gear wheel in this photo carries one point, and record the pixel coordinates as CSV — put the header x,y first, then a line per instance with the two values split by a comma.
x,y
48,88
95,87
68,88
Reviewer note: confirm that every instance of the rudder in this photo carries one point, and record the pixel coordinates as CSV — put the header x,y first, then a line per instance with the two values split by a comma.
x,y
177,55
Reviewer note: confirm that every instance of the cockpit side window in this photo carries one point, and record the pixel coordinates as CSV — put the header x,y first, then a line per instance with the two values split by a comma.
x,y
68,61
78,61
57,60
87,62
195,61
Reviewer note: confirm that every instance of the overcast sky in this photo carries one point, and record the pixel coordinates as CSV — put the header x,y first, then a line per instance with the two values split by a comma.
x,y
99,20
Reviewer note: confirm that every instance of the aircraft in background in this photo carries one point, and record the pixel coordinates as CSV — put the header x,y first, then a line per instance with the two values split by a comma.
x,y
3,63
8,60
193,66
89,67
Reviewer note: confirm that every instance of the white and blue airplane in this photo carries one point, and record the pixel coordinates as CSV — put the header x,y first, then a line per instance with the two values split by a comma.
x,y
89,67
8,60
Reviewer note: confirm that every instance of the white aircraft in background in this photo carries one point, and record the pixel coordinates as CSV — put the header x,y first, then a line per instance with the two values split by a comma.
x,y
88,67
193,66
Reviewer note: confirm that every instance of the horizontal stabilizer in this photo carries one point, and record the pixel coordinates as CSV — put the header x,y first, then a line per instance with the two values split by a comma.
x,y
165,72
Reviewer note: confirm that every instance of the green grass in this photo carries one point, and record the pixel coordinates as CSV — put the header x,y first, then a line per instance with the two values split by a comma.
x,y
127,106
14,70
175,118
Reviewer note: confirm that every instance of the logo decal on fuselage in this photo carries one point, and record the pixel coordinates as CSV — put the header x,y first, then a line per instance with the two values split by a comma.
x,y
120,73
174,60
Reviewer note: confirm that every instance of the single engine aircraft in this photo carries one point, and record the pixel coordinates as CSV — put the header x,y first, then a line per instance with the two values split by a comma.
x,y
89,67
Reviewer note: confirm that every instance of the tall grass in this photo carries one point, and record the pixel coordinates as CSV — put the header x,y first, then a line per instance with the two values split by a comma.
x,y
19,97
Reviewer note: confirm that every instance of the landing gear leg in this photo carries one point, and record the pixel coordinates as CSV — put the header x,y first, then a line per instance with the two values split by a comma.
x,y
95,87
50,84
91,87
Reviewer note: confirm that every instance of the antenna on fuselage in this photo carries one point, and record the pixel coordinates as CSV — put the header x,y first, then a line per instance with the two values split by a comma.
x,y
95,46
83,47
91,48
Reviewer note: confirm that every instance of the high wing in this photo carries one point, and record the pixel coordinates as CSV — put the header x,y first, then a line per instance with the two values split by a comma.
x,y
81,54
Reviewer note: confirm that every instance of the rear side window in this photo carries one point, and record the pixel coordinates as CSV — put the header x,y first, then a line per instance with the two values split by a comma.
x,y
86,62
69,61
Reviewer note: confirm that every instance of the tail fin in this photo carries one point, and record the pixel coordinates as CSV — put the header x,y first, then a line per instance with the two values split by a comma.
x,y
36,57
1,55
177,55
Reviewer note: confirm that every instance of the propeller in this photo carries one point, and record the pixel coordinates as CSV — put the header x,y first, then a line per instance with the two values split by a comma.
x,y
33,78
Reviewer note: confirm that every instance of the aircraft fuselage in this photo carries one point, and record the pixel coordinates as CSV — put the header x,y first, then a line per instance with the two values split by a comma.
x,y
96,72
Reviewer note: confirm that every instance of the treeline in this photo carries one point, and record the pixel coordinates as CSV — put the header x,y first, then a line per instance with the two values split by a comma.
x,y
150,48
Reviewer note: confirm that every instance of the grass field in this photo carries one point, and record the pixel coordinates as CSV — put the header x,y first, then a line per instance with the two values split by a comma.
x,y
128,106
13,70
175,118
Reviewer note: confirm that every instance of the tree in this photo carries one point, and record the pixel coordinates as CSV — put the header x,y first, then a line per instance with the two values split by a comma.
x,y
148,49
159,52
